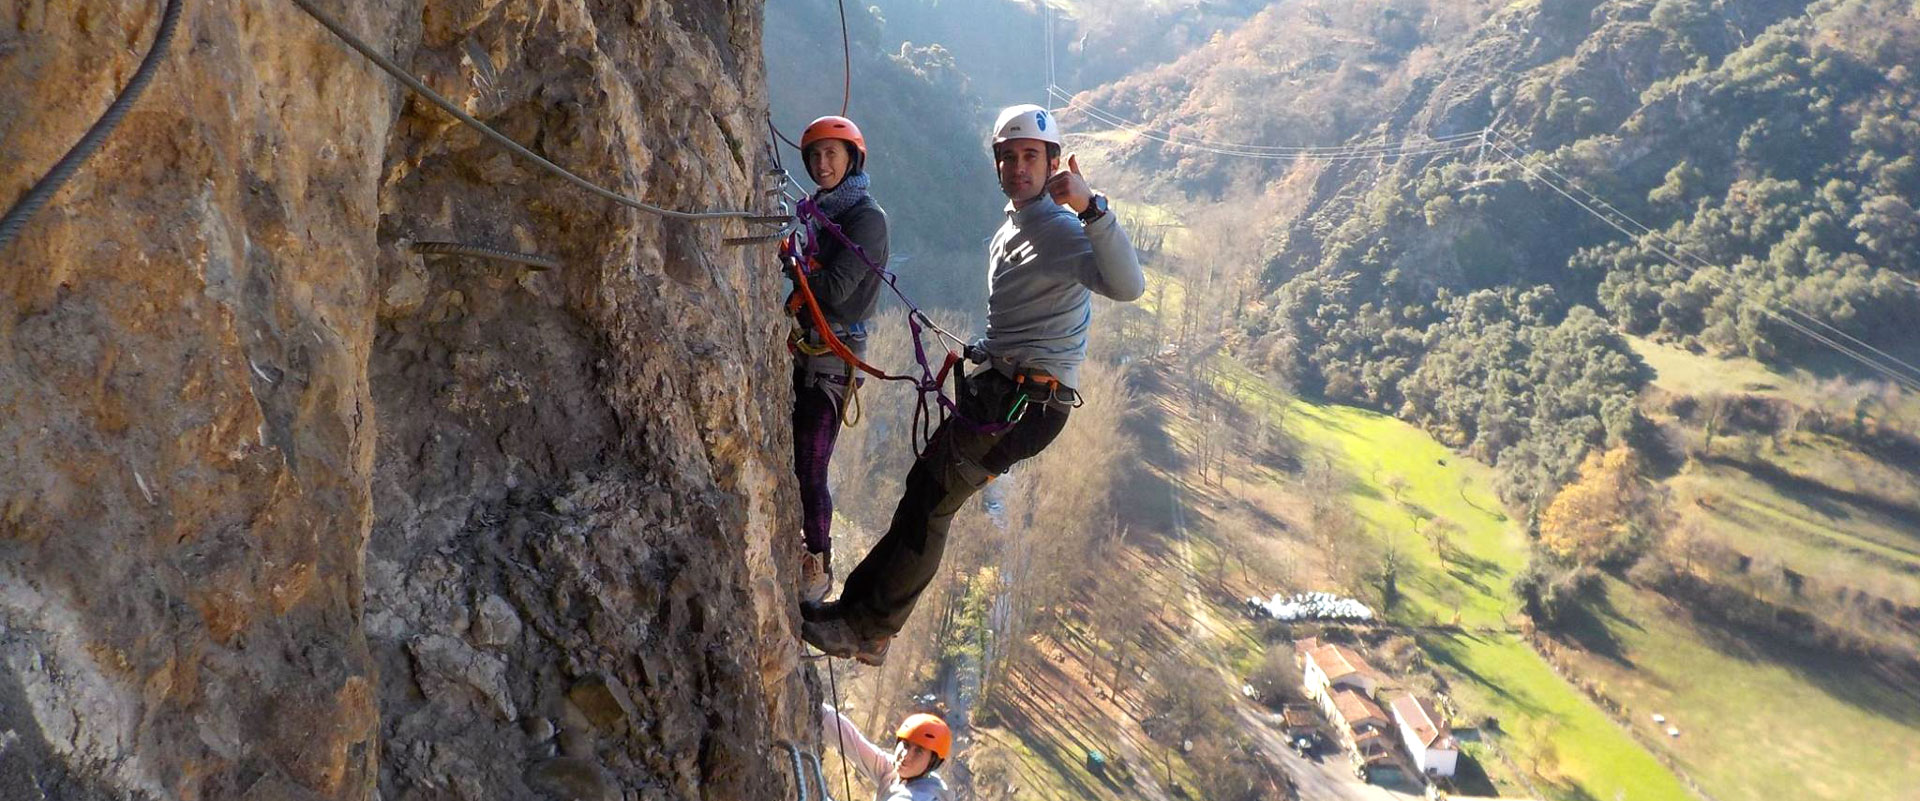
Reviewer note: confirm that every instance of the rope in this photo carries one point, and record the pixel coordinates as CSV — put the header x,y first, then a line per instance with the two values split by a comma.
x,y
484,252
850,410
782,137
846,61
806,300
926,419
446,105
43,190
833,686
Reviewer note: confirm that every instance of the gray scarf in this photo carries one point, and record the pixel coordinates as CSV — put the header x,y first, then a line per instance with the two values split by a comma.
x,y
852,190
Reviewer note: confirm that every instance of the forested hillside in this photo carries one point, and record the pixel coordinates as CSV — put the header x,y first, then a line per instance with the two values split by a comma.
x,y
1768,145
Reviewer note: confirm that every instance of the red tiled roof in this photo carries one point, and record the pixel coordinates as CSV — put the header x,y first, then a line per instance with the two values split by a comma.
x,y
1419,717
1339,661
1355,707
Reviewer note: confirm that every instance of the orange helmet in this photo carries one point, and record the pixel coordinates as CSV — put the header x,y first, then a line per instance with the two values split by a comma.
x,y
928,732
833,128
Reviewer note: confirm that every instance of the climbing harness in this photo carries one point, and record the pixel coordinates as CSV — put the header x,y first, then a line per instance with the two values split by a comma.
x,y
1057,394
43,190
799,255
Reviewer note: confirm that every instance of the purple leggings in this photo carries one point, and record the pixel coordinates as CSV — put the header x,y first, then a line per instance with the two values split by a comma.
x,y
816,423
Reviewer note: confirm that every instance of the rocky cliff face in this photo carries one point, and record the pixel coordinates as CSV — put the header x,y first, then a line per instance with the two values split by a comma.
x,y
290,511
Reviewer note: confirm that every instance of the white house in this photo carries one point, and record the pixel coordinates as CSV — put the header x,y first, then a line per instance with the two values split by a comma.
x,y
1343,682
1426,734
1326,666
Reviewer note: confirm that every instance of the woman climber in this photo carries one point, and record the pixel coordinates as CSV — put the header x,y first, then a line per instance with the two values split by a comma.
x,y
847,290
921,744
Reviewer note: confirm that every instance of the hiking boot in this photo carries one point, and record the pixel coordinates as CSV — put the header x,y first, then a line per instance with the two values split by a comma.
x,y
837,639
814,581
815,612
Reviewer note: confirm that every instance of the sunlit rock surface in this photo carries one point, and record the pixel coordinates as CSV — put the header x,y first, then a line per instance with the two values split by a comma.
x,y
290,511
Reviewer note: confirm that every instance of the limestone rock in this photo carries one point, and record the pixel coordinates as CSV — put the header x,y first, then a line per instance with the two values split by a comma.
x,y
604,702
288,511
495,624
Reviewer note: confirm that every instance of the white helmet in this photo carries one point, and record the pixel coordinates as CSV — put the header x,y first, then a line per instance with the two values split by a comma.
x,y
1026,121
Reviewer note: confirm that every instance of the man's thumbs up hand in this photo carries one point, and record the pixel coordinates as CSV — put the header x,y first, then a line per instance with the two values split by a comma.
x,y
1068,188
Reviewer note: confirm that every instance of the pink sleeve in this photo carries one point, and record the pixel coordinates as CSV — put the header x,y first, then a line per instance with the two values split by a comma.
x,y
838,732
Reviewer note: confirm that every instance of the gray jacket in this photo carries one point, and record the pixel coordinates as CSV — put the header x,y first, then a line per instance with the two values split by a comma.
x,y
848,291
1045,267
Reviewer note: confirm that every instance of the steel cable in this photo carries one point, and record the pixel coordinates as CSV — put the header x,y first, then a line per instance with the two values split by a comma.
x,y
43,190
446,105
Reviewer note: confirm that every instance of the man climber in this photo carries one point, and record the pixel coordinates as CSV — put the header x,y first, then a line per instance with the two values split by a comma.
x,y
1058,246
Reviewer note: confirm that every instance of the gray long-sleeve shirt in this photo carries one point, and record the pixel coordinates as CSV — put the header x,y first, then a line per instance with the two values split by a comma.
x,y
1045,267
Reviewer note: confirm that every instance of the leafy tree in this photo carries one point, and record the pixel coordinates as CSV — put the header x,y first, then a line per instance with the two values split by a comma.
x,y
1603,517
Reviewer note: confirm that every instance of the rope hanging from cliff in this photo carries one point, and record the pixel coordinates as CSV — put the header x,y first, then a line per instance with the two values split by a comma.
x,y
846,61
833,687
43,190
446,105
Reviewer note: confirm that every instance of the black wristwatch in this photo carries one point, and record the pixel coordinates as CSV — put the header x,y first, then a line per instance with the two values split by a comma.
x,y
1096,208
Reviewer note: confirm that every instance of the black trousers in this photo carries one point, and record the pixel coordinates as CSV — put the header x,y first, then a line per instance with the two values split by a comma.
x,y
880,593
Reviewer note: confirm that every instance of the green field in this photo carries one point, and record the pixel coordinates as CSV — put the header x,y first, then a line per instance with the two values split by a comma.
x,y
1499,675
1492,673
1684,373
1833,728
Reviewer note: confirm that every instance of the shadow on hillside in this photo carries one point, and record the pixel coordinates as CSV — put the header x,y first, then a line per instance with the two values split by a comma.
x,y
1017,716
1876,686
1584,628
1470,778
1452,663
1474,571
1148,422
1827,500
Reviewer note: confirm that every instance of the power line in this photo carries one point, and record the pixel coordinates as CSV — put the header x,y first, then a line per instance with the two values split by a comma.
x,y
1323,154
446,105
1896,377
1239,148
1697,259
1249,151
1675,247
1277,153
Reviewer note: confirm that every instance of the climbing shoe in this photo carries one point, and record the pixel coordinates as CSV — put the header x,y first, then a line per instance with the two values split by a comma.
x,y
837,639
814,581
